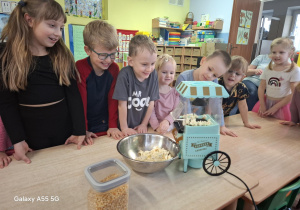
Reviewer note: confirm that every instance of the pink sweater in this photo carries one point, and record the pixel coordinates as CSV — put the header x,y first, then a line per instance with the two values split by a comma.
x,y
5,142
162,108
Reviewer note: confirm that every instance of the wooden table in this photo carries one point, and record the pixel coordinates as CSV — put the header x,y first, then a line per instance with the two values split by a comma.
x,y
270,154
57,173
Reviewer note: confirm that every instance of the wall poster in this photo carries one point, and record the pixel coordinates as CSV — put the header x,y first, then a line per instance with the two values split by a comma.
x,y
84,8
244,27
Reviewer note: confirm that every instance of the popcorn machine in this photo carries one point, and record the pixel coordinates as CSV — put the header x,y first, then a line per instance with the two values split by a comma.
x,y
197,130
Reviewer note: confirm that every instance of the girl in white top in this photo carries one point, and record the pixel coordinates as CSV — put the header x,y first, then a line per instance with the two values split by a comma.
x,y
278,80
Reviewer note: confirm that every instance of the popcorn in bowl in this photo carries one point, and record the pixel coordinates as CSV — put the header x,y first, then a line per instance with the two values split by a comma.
x,y
156,154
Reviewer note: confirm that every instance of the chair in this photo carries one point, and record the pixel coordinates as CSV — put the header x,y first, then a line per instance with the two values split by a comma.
x,y
283,199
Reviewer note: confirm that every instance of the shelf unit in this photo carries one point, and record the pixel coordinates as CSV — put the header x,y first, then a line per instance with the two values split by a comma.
x,y
186,57
155,24
217,25
156,29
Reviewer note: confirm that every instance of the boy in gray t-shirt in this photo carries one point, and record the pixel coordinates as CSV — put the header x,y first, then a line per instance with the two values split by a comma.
x,y
137,86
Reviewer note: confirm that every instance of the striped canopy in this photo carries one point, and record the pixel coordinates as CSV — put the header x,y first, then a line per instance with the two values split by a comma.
x,y
201,89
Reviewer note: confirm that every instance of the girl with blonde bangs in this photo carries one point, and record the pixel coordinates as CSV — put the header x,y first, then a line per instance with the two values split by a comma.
x,y
278,80
161,119
40,104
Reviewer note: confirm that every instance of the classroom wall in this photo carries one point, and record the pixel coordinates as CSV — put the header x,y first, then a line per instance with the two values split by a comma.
x,y
135,14
215,9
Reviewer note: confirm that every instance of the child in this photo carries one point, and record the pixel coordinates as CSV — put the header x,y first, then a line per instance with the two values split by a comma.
x,y
38,94
294,108
4,144
237,90
160,119
98,74
137,86
279,80
211,67
252,80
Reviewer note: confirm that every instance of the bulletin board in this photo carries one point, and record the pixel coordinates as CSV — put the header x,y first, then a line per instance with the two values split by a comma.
x,y
76,41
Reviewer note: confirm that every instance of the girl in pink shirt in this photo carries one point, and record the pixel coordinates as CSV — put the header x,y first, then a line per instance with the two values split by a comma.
x,y
4,145
161,120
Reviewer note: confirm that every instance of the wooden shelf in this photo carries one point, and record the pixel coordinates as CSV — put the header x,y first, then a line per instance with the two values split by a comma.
x,y
218,25
155,24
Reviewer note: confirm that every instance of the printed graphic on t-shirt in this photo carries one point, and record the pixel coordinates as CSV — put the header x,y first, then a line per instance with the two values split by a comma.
x,y
137,101
274,81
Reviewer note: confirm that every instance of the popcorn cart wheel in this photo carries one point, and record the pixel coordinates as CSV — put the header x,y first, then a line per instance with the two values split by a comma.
x,y
216,163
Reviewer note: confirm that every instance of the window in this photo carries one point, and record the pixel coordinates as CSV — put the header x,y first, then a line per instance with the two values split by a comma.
x,y
295,29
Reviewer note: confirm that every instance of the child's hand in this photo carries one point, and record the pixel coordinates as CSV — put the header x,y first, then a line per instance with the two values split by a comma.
x,y
289,123
258,71
253,126
225,131
115,133
261,111
128,131
141,128
4,160
163,127
89,138
271,111
75,140
21,149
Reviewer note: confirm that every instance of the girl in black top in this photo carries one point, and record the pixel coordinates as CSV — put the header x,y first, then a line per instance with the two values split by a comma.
x,y
39,100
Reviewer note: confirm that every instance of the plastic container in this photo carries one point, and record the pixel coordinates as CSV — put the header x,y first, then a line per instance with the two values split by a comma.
x,y
109,185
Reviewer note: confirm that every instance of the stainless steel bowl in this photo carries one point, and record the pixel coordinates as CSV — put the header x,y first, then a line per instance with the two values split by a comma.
x,y
129,147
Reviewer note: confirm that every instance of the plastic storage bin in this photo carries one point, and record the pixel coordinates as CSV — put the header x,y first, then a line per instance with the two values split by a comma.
x,y
109,181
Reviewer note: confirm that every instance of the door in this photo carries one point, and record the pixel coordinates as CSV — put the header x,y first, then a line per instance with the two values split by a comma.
x,y
244,35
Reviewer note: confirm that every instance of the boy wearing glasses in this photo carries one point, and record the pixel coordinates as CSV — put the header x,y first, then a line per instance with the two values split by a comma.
x,y
98,74
137,86
238,92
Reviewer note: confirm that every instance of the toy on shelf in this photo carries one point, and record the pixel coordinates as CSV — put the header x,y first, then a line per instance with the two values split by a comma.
x,y
198,130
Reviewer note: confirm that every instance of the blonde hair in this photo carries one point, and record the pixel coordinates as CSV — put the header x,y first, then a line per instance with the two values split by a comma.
x,y
16,55
162,59
223,54
239,62
287,44
99,32
139,43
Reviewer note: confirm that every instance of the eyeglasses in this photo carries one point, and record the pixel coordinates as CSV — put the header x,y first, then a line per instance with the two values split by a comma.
x,y
103,56
235,72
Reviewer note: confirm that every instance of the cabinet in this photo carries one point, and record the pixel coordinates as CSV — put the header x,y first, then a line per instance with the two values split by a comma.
x,y
186,57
